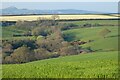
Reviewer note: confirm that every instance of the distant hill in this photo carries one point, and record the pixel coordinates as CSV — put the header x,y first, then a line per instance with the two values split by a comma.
x,y
16,11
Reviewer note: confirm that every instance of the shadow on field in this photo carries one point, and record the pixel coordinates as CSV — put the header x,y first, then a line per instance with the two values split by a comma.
x,y
69,37
113,36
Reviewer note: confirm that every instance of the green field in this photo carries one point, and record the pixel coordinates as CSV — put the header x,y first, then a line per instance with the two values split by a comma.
x,y
93,65
99,43
103,63
93,22
7,32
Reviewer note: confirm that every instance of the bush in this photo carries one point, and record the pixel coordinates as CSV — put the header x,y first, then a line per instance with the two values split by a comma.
x,y
104,32
87,25
41,31
18,43
27,33
7,48
70,50
22,55
8,60
26,25
41,53
66,26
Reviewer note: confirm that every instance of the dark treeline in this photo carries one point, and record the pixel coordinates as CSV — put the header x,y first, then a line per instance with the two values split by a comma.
x,y
9,23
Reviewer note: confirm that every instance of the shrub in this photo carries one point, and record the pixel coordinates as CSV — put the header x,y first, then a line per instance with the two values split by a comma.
x,y
7,48
22,55
41,31
41,53
8,60
104,32
66,26
70,50
87,25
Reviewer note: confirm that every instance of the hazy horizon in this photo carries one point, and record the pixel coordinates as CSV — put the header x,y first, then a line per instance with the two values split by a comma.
x,y
89,6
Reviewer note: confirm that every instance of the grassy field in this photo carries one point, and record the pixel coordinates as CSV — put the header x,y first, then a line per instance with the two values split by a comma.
x,y
85,34
7,32
93,22
62,17
100,64
99,43
93,65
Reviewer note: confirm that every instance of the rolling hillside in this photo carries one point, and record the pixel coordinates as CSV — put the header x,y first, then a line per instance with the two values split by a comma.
x,y
103,63
95,65
98,43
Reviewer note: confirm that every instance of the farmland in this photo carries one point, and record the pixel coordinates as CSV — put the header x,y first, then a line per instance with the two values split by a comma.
x,y
61,17
86,34
9,31
93,65
99,58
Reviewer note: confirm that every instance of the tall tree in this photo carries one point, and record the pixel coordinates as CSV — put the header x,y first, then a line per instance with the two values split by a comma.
x,y
54,18
21,55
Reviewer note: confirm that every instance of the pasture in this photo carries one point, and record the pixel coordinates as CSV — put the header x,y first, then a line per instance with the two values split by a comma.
x,y
99,43
92,65
101,63
7,32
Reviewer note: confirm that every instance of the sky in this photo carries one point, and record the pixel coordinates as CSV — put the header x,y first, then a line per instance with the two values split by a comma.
x,y
60,0
90,6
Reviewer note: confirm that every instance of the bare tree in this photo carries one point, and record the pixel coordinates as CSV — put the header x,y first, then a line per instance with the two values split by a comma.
x,y
55,18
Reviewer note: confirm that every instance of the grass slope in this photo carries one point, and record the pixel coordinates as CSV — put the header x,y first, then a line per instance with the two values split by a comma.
x,y
99,43
93,65
7,33
93,22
